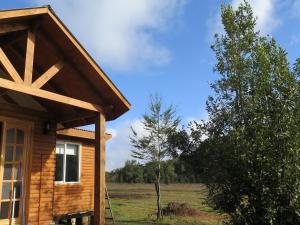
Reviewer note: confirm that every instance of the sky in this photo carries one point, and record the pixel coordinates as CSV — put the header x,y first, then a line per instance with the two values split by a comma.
x,y
161,46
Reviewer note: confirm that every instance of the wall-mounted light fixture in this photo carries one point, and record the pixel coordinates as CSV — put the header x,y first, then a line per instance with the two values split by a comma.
x,y
47,127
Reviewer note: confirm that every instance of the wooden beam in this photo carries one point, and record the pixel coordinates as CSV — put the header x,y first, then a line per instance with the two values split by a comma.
x,y
51,72
99,187
29,57
9,67
7,28
10,85
89,59
78,133
74,117
59,53
8,14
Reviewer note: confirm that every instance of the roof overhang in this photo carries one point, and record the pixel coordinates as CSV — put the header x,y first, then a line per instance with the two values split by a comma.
x,y
79,78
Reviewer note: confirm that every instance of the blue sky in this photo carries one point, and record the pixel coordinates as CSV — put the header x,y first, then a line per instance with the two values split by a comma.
x,y
163,46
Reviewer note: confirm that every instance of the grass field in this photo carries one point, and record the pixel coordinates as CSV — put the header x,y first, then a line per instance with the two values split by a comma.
x,y
134,204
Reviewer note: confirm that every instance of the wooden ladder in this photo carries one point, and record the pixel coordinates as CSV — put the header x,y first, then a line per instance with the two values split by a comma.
x,y
108,207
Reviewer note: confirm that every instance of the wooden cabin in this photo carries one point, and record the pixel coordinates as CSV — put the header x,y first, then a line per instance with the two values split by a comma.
x,y
81,151
49,84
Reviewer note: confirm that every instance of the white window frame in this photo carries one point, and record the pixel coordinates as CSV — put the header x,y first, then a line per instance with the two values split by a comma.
x,y
65,143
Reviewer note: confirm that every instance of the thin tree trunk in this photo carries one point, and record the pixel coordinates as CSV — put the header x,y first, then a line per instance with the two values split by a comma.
x,y
158,194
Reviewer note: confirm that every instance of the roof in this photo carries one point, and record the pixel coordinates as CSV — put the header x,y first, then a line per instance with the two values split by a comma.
x,y
82,78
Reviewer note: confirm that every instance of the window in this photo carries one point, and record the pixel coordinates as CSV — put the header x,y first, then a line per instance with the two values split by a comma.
x,y
67,163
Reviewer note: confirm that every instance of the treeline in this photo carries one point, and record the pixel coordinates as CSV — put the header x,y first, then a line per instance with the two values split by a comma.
x,y
172,171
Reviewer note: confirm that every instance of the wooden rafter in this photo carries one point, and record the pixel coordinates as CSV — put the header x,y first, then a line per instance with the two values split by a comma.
x,y
77,116
57,51
22,88
9,67
51,72
29,57
7,28
37,70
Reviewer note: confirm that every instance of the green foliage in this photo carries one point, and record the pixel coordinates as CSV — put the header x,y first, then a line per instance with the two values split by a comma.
x,y
253,129
172,171
158,123
153,145
248,150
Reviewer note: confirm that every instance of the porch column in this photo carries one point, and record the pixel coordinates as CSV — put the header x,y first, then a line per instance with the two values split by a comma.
x,y
99,191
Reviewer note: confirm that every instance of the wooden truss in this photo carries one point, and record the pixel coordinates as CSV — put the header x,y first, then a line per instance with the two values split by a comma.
x,y
28,86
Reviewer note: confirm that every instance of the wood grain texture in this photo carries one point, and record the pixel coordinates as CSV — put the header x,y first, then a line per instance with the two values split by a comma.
x,y
9,67
99,188
48,95
7,28
75,198
45,77
29,57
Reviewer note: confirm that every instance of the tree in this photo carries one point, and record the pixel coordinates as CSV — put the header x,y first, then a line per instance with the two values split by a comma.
x,y
153,146
132,172
253,136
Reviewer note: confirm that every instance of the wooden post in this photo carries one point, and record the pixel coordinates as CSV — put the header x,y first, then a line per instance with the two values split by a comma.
x,y
99,191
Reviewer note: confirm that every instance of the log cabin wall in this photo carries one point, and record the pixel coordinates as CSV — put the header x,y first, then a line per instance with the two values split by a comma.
x,y
75,198
40,203
42,176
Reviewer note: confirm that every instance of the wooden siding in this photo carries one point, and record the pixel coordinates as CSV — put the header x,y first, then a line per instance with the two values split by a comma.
x,y
73,198
42,176
41,181
47,199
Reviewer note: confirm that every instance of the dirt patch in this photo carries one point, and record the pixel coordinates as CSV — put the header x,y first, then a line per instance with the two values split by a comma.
x,y
129,196
183,209
179,209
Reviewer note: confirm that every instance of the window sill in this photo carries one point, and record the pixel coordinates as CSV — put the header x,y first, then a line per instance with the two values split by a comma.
x,y
58,183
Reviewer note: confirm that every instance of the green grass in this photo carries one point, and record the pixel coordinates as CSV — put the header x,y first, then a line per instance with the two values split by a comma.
x,y
134,204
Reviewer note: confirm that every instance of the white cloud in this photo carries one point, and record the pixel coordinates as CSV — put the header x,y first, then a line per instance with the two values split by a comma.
x,y
120,32
264,10
119,148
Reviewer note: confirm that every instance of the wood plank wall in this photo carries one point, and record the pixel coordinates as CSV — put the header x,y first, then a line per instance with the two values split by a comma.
x,y
42,176
46,199
43,167
74,198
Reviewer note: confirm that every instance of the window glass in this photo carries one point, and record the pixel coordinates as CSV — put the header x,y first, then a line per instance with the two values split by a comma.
x,y
17,171
6,188
16,205
67,163
4,210
10,136
20,136
19,152
17,189
60,149
72,165
9,153
7,172
59,167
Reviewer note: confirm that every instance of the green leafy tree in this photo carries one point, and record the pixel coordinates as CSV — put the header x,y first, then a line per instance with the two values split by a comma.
x,y
153,145
253,132
132,172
